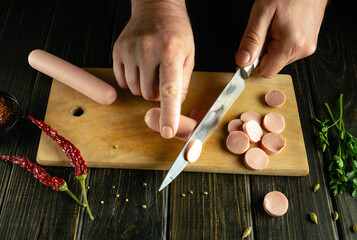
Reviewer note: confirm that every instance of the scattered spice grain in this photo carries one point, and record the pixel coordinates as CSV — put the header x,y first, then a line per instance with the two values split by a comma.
x,y
191,192
143,206
115,146
117,195
126,200
183,195
205,193
101,202
113,187
316,187
88,187
145,184
313,217
247,232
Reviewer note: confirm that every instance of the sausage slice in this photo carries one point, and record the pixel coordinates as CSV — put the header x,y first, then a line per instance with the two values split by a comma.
x,y
255,159
198,115
275,204
193,150
274,122
253,130
273,143
275,98
235,125
237,142
251,115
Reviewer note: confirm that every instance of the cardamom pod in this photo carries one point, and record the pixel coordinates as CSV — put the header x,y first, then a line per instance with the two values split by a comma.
x,y
354,228
316,187
247,232
313,217
335,216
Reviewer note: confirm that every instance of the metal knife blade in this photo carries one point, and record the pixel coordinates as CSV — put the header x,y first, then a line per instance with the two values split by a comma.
x,y
215,114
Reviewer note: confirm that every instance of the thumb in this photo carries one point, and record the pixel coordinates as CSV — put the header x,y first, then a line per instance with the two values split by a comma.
x,y
255,34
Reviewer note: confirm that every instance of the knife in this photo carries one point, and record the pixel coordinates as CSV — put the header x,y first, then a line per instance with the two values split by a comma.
x,y
215,114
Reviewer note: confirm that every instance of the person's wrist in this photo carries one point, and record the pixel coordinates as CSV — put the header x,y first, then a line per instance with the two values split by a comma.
x,y
178,6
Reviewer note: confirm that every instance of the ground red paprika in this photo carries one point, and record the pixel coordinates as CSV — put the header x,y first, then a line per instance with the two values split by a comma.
x,y
8,113
56,183
71,152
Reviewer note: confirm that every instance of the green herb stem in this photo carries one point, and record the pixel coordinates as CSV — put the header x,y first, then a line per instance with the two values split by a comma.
x,y
82,180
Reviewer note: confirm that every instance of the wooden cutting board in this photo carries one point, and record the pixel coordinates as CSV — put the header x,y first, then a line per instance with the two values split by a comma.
x,y
100,128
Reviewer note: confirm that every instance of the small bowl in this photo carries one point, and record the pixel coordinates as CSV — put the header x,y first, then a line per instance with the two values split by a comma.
x,y
11,131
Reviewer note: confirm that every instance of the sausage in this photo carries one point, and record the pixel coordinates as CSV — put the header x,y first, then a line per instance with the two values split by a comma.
x,y
237,142
275,203
251,115
72,76
253,130
275,98
193,150
274,122
272,143
235,125
185,128
198,115
255,159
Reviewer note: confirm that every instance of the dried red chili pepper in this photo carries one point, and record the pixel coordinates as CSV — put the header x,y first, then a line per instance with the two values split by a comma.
x,y
71,152
56,183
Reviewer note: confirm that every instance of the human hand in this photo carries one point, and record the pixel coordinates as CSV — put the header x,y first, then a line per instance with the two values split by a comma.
x,y
289,28
154,57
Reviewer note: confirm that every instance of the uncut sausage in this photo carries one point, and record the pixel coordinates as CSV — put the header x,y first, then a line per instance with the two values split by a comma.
x,y
237,142
251,115
185,128
193,150
275,203
275,98
274,122
255,159
253,130
72,76
235,125
272,143
198,115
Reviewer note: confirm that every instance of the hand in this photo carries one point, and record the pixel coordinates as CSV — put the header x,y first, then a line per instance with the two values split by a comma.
x,y
154,57
289,28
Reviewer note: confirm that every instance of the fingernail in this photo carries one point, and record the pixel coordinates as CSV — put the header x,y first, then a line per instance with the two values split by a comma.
x,y
166,132
243,56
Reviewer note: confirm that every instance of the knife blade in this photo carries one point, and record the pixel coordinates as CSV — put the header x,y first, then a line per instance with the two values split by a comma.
x,y
214,115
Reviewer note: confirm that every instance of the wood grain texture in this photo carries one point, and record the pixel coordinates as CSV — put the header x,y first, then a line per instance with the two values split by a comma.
x,y
337,54
127,130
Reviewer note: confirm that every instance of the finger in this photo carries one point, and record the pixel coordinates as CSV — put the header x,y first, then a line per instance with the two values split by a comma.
x,y
187,72
149,82
255,33
171,77
132,75
277,56
118,68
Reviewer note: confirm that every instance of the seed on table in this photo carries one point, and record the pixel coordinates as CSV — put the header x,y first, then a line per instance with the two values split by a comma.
x,y
126,200
88,187
115,146
354,228
205,193
117,195
316,187
335,216
101,202
191,192
143,206
313,217
247,232
145,184
113,187
183,195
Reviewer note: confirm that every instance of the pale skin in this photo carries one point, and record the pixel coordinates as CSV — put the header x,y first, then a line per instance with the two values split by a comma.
x,y
154,54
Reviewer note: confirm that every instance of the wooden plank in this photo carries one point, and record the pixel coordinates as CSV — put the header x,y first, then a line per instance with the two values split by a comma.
x,y
13,71
337,54
117,218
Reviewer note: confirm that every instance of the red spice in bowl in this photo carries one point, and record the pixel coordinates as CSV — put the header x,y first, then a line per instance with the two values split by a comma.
x,y
10,117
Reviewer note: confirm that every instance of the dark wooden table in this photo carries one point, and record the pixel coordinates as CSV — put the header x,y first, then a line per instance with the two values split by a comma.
x,y
83,32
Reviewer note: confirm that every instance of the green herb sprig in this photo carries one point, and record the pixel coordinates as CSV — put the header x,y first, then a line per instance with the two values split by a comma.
x,y
343,167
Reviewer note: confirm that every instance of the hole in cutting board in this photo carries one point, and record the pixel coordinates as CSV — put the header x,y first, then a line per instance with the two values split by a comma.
x,y
77,111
